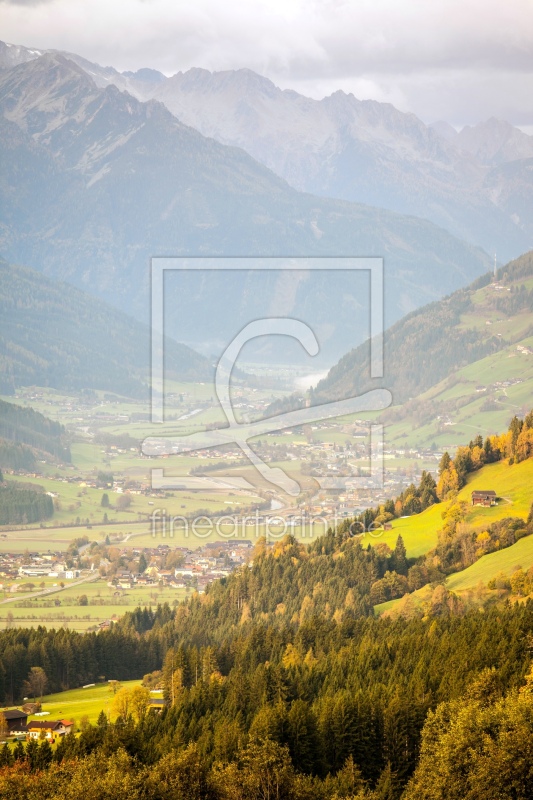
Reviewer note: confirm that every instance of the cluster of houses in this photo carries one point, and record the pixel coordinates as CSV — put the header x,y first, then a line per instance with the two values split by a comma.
x,y
17,569
197,567
17,725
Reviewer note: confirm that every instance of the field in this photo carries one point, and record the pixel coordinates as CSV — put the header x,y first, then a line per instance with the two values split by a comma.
x,y
104,603
512,483
76,704
77,500
518,555
515,485
468,580
462,398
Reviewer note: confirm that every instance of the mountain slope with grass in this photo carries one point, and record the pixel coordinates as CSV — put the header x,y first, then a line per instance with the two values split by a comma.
x,y
512,483
486,576
438,345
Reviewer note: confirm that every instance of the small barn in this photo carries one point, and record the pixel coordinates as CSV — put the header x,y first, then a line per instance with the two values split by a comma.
x,y
485,498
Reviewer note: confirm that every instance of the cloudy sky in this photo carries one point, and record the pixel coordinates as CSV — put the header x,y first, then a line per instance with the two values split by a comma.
x,y
460,60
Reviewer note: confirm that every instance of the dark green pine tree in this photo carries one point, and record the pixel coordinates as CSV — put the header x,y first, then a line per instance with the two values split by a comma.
x,y
6,756
303,738
400,557
31,754
43,757
18,752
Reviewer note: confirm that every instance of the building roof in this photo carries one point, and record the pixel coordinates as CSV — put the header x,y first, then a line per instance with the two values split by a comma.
x,y
489,493
14,714
44,725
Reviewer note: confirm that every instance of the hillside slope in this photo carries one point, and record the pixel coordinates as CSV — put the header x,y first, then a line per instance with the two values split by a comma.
x,y
435,342
25,433
55,335
514,483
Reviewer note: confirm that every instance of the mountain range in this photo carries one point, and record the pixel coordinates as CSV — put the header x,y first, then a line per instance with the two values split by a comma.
x,y
476,183
94,182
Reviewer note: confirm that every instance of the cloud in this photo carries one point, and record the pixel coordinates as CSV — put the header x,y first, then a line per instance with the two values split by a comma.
x,y
24,2
460,59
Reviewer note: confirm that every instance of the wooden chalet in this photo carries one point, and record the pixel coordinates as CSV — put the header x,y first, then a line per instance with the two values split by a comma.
x,y
485,498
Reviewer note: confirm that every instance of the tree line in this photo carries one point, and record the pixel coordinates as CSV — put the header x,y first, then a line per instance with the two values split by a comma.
x,y
23,506
24,426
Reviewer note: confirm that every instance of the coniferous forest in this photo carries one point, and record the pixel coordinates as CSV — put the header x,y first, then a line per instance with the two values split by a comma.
x,y
280,683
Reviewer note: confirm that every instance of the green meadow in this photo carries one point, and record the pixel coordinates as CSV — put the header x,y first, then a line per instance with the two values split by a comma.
x,y
104,603
468,580
78,704
514,484
506,561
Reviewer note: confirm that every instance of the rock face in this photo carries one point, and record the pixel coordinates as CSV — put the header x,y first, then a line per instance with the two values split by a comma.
x,y
367,152
495,142
94,182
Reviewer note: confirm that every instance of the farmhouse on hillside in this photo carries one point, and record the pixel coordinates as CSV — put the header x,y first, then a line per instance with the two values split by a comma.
x,y
49,729
487,498
14,719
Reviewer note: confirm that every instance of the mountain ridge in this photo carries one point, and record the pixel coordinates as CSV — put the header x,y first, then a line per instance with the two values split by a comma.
x,y
99,182
360,151
431,344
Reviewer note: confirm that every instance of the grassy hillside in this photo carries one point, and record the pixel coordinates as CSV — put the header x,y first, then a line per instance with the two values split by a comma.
x,y
55,335
443,353
514,484
468,580
469,401
75,704
506,561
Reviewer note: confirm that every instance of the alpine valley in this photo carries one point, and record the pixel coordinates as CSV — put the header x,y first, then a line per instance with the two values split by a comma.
x,y
234,565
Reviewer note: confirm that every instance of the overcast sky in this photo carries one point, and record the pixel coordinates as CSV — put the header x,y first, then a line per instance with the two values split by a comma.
x,y
460,60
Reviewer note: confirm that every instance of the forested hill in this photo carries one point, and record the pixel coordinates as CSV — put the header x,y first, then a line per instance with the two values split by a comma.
x,y
23,432
281,684
319,706
432,343
52,334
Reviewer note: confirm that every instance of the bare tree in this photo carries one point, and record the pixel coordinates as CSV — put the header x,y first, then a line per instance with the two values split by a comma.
x,y
36,682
